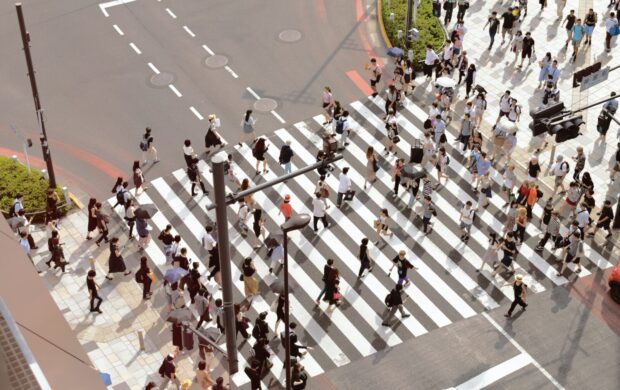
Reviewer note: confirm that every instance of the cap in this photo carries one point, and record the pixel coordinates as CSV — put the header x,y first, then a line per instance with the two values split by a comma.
x,y
519,277
287,197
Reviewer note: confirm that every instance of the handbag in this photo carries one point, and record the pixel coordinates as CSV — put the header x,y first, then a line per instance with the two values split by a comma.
x,y
349,195
615,30
337,296
396,139
376,224
375,165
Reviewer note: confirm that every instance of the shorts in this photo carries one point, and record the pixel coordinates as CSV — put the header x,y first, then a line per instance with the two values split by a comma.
x,y
559,180
527,54
374,82
506,30
325,104
456,51
604,225
589,30
465,226
503,113
570,258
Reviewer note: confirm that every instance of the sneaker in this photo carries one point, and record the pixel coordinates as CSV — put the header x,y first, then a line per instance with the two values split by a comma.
x,y
507,315
406,315
385,324
539,248
609,235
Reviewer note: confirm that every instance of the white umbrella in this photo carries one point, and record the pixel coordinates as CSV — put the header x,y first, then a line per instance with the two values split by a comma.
x,y
445,82
507,125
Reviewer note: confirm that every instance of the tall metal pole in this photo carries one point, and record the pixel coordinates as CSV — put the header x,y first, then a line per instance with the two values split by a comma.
x,y
219,187
35,94
408,23
287,319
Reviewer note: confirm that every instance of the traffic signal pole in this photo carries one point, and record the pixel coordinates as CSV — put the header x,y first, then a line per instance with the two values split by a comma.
x,y
408,23
47,156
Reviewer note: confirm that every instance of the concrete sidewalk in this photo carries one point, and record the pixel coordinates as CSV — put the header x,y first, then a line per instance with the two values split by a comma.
x,y
111,339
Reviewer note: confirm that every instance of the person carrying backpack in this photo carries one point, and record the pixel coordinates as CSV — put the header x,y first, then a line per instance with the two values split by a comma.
x,y
343,128
16,206
394,301
122,195
147,148
286,155
560,170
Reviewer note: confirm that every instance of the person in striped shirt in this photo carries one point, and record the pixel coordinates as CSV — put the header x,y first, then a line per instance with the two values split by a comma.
x,y
553,231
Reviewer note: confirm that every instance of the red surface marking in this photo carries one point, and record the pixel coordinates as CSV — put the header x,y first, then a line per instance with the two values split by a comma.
x,y
91,159
321,10
359,82
593,294
362,18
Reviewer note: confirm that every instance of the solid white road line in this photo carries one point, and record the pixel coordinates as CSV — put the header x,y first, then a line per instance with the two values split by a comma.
x,y
175,90
171,13
523,351
278,117
153,68
118,29
192,109
496,373
229,70
135,48
191,34
109,4
251,91
208,50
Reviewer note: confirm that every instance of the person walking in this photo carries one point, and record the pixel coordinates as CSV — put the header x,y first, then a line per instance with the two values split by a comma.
x,y
286,155
520,295
442,165
605,217
248,124
166,237
507,24
466,219
480,106
364,257
145,278
521,224
493,23
560,170
382,225
258,151
328,105
396,175
545,64
258,227
394,302
328,268
427,213
203,378
278,304
343,128
202,304
589,22
391,128
611,30
138,179
195,177
429,61
93,292
147,147
130,217
319,212
510,178
285,208
116,263
490,255
254,373
375,75
212,137
372,166
242,323
299,377
144,235
470,79
92,217
462,5
485,192
568,24
552,231
509,248
582,217
448,6
402,266
250,284
531,199
276,256
102,223
262,353
188,152
344,186
261,328
572,253
578,31
167,371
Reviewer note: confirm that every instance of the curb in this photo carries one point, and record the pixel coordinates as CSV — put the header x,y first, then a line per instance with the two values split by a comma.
x,y
386,40
75,200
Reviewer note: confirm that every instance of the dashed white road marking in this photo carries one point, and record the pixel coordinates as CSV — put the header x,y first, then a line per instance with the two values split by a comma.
x,y
192,109
251,91
171,13
153,68
231,72
118,29
175,90
191,34
135,48
278,117
208,50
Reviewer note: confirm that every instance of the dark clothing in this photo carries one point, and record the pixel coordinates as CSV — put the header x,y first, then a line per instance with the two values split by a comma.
x,y
299,376
167,369
92,289
286,153
254,375
395,298
533,169
364,260
115,263
323,219
518,293
508,18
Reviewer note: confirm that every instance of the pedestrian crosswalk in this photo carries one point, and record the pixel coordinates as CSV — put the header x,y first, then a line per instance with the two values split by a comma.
x,y
446,285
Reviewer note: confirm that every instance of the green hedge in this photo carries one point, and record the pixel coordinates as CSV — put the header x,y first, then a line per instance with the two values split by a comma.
x,y
14,179
429,27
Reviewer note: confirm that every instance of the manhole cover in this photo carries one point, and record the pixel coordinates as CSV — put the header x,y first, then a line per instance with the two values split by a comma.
x,y
289,36
265,105
162,79
216,61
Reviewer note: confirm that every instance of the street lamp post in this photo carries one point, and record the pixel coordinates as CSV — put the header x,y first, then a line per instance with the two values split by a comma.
x,y
47,156
296,222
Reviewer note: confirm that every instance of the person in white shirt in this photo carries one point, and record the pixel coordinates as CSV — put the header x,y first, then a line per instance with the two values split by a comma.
x,y
344,186
560,169
504,106
509,183
243,214
447,51
466,220
188,152
583,218
342,124
318,212
515,111
208,242
429,60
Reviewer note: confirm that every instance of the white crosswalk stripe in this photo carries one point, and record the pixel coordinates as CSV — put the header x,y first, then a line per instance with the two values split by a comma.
x,y
445,287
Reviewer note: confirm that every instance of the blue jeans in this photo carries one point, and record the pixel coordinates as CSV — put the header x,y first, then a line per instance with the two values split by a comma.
x,y
287,168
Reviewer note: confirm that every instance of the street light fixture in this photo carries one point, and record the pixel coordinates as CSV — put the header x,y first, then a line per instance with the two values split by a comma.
x,y
296,222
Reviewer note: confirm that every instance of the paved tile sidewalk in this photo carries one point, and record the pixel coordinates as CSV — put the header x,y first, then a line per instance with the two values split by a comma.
x,y
111,339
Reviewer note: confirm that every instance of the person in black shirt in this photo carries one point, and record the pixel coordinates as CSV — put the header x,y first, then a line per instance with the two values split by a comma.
x,y
327,269
509,248
527,49
364,259
253,372
533,169
570,22
493,24
92,292
509,20
520,293
395,302
616,168
606,215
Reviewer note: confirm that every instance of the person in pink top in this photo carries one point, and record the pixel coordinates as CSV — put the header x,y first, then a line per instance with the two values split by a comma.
x,y
285,208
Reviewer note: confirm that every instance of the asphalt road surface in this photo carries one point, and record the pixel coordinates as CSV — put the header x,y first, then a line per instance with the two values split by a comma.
x,y
105,73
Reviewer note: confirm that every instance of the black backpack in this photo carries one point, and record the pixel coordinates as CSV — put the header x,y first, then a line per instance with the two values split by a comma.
x,y
120,197
139,277
340,124
388,299
12,212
